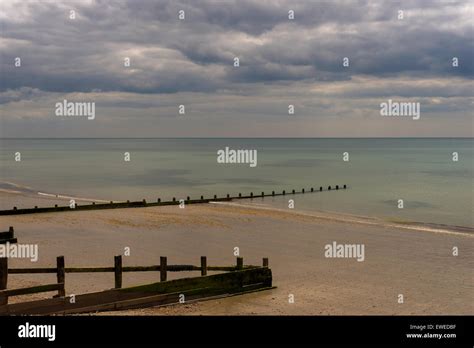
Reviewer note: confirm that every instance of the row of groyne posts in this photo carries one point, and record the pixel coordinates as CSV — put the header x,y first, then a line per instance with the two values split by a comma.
x,y
159,202
60,270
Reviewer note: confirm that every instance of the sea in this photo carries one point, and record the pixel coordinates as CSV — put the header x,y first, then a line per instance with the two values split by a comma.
x,y
426,180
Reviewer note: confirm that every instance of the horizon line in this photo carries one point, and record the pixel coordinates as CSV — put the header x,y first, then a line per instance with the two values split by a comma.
x,y
62,138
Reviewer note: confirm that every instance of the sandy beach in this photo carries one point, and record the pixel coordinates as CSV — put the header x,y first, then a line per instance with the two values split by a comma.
x,y
409,260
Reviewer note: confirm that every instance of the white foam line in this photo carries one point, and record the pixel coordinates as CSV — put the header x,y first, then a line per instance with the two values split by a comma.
x,y
17,185
335,218
71,197
10,191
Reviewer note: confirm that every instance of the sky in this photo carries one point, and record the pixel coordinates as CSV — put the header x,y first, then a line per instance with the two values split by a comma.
x,y
76,51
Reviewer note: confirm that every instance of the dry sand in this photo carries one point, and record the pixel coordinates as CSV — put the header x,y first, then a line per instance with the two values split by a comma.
x,y
398,259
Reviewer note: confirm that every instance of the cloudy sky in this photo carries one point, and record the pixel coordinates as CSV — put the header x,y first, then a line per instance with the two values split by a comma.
x,y
190,62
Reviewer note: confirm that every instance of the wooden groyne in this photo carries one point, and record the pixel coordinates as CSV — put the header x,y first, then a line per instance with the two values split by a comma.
x,y
237,279
159,202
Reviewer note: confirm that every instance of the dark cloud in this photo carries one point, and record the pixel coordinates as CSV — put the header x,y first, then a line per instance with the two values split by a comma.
x,y
190,62
169,56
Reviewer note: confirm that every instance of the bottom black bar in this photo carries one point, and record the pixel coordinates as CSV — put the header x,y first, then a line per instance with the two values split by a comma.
x,y
430,331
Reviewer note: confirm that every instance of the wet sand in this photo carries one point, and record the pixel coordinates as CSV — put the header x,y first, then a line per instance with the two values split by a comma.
x,y
408,260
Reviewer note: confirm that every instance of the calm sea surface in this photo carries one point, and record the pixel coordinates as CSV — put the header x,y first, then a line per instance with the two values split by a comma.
x,y
379,172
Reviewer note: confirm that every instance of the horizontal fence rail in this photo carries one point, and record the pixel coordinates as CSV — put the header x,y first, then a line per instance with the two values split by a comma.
x,y
174,201
5,294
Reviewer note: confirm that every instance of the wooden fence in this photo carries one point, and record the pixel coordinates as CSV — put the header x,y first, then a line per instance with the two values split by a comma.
x,y
60,270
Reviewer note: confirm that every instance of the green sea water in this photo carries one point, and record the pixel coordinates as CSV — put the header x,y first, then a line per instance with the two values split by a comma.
x,y
379,172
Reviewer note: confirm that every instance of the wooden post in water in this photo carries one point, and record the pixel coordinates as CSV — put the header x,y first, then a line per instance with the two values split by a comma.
x,y
203,265
215,196
265,262
61,274
329,188
320,188
240,263
118,271
337,187
163,266
251,194
283,192
312,189
263,194
302,190
293,191
273,193
345,186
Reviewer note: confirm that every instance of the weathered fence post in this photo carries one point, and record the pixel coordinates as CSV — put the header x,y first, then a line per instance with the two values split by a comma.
x,y
163,266
62,290
9,238
3,273
118,271
61,275
203,265
3,299
240,263
265,262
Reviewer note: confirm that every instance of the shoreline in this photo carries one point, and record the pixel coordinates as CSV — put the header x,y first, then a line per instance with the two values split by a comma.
x,y
397,260
29,199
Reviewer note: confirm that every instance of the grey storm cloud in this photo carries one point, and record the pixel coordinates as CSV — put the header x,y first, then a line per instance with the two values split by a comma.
x,y
169,56
190,62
